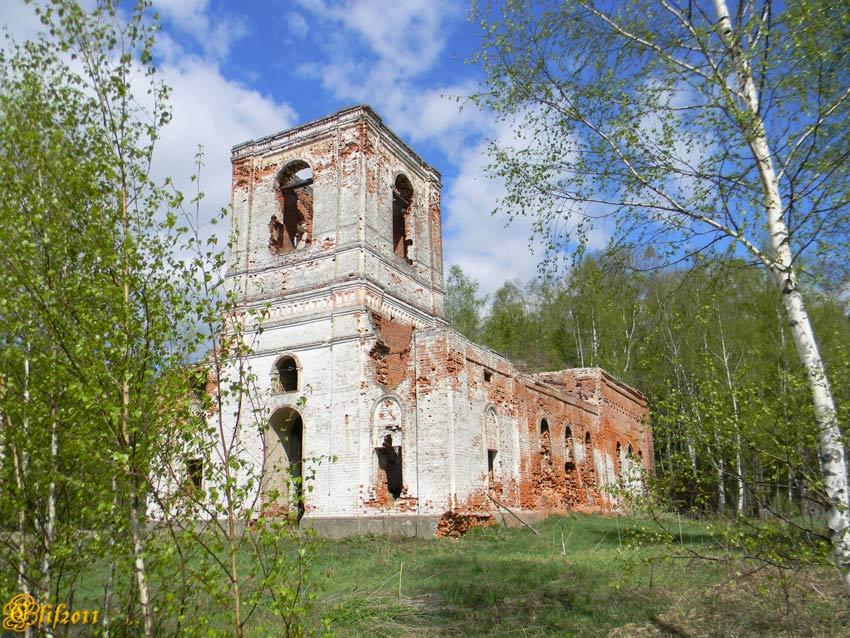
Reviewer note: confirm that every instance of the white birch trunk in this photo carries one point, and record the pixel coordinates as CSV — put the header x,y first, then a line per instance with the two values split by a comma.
x,y
830,445
50,522
110,582
721,476
739,470
21,470
739,466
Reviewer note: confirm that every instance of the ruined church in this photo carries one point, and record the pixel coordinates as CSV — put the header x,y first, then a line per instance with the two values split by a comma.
x,y
419,431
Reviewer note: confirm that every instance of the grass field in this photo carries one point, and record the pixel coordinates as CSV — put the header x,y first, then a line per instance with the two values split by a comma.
x,y
500,582
584,575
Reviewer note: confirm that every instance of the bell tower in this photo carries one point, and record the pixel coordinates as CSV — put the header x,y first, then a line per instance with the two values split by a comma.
x,y
334,205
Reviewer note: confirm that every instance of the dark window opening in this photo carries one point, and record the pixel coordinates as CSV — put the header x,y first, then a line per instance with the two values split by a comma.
x,y
569,458
491,465
287,371
389,460
587,448
402,199
295,455
619,455
488,375
544,436
294,228
283,462
195,473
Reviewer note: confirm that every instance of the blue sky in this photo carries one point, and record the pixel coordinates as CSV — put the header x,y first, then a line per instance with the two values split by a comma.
x,y
244,70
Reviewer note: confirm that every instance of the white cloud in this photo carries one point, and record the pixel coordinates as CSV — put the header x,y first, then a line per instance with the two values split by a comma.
x,y
296,24
210,110
19,19
484,245
400,42
409,35
215,34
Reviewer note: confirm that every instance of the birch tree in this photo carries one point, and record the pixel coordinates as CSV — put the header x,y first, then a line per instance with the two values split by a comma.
x,y
688,126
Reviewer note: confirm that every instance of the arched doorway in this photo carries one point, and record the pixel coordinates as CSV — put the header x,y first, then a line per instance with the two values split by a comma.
x,y
283,486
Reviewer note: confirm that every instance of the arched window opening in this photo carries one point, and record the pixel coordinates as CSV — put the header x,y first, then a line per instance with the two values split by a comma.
x,y
195,473
402,200
621,465
287,374
488,375
294,228
283,472
545,444
491,435
390,462
569,455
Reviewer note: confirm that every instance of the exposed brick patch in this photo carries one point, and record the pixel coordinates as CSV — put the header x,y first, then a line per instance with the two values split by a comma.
x,y
391,353
241,173
549,490
456,524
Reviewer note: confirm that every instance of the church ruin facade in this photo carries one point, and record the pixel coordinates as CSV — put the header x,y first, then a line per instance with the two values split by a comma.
x,y
418,429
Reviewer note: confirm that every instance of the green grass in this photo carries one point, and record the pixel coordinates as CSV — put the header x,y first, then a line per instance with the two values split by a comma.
x,y
498,582
585,575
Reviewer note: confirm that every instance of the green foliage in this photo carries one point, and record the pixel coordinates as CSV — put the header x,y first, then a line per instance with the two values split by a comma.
x,y
117,359
629,124
463,306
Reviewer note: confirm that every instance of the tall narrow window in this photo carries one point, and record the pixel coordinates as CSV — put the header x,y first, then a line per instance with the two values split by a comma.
x,y
544,436
287,372
491,439
389,460
195,473
402,199
569,457
620,464
293,229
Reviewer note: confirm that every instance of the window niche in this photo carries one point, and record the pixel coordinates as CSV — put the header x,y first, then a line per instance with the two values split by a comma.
x,y
390,462
388,478
292,228
588,451
195,473
402,204
491,440
286,371
569,452
544,436
491,466
621,465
